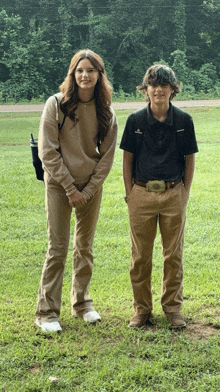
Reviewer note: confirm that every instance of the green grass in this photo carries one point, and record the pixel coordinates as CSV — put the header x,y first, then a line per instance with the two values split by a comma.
x,y
109,356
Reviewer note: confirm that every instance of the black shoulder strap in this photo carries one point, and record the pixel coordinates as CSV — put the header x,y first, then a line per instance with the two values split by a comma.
x,y
60,126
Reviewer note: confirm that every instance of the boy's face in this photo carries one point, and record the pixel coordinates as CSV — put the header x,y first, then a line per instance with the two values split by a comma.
x,y
159,94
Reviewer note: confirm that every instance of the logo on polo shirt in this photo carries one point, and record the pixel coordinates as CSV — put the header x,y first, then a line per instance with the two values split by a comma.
x,y
138,131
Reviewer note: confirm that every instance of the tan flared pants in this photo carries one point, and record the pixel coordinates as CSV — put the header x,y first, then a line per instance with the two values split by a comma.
x,y
59,218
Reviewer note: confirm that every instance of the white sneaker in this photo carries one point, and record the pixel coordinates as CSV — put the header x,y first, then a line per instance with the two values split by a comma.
x,y
92,317
54,326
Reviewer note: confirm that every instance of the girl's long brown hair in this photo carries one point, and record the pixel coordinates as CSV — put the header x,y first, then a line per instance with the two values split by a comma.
x,y
103,92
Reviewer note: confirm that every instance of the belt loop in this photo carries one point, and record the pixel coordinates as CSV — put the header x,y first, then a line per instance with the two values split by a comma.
x,y
168,185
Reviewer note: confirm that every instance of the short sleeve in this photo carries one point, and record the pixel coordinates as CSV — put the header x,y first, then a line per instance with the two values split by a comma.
x,y
128,138
190,142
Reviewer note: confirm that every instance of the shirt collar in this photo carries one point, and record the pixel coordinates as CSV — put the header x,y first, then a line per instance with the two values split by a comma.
x,y
152,120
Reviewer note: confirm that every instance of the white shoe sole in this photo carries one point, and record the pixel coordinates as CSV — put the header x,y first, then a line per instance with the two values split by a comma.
x,y
54,326
92,317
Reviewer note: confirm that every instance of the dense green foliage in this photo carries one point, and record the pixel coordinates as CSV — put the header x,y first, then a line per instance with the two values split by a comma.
x,y
39,37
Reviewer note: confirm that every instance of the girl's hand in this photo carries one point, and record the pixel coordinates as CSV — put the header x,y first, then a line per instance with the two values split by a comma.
x,y
77,200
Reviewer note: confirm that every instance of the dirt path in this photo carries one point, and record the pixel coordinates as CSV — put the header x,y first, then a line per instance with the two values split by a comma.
x,y
116,106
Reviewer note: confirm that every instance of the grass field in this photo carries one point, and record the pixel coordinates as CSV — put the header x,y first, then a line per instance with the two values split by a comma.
x,y
109,356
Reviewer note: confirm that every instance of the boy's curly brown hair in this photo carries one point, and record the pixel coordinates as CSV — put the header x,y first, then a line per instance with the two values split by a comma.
x,y
160,74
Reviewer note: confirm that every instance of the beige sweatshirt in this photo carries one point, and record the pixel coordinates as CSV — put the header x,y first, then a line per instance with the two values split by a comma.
x,y
77,162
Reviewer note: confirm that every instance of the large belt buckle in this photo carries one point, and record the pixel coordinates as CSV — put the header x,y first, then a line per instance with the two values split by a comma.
x,y
156,186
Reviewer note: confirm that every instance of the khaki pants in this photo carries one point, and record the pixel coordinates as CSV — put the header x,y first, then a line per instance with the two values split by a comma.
x,y
59,218
146,210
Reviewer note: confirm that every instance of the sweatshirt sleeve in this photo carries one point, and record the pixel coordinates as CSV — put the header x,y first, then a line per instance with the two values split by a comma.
x,y
103,167
48,145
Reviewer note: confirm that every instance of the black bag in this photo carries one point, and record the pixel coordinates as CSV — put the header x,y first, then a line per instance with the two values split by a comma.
x,y
36,160
34,149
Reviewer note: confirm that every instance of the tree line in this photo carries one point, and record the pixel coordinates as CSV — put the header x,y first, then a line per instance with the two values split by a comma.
x,y
39,37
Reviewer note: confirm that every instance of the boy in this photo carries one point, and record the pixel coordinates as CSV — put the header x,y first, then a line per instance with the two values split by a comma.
x,y
159,146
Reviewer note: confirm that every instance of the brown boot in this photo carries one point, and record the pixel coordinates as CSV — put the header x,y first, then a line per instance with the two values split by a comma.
x,y
139,320
176,319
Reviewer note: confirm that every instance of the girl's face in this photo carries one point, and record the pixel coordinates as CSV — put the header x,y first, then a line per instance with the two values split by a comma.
x,y
86,76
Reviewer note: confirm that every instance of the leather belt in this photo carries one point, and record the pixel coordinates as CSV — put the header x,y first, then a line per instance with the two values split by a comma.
x,y
157,186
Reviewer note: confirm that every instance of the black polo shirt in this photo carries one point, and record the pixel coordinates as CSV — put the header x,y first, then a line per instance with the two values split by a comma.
x,y
156,146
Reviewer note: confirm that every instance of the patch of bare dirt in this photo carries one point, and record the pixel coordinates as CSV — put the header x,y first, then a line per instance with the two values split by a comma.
x,y
202,331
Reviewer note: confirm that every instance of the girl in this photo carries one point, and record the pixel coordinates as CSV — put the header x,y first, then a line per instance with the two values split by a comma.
x,y
76,161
